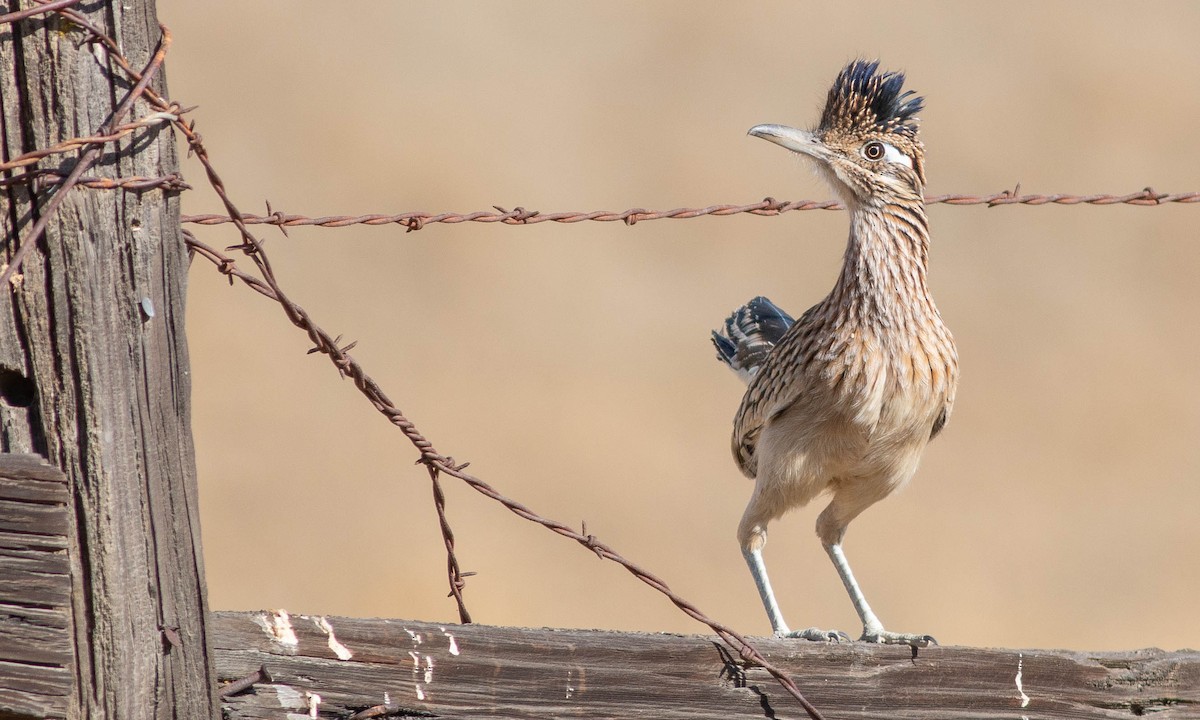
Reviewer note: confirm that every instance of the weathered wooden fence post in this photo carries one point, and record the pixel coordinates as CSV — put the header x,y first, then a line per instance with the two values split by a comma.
x,y
94,364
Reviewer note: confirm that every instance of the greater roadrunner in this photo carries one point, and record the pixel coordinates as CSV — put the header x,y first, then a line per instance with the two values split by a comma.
x,y
845,399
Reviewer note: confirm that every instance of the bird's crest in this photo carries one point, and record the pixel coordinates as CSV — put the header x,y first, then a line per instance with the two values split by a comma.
x,y
863,99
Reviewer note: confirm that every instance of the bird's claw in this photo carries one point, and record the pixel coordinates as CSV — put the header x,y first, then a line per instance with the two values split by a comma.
x,y
816,635
887,637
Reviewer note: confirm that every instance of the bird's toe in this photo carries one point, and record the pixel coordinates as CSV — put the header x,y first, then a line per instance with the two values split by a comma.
x,y
818,635
887,637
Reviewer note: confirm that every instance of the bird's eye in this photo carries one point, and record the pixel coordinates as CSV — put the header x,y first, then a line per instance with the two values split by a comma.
x,y
876,150
873,150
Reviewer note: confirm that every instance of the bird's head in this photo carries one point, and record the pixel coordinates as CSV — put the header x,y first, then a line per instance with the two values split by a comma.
x,y
866,145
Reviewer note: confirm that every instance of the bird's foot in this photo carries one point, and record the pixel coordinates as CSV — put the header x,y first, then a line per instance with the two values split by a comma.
x,y
816,635
886,637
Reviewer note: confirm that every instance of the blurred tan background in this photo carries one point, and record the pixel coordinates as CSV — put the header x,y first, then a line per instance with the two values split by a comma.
x,y
571,363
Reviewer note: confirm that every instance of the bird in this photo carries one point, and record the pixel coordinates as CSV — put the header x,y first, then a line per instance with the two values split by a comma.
x,y
845,399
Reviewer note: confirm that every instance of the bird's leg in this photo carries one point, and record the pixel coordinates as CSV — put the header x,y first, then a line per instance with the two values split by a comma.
x,y
758,569
752,536
872,629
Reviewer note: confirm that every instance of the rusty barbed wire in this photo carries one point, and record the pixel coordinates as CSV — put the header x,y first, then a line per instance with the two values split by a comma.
x,y
39,179
171,182
32,157
766,207
453,571
140,87
37,10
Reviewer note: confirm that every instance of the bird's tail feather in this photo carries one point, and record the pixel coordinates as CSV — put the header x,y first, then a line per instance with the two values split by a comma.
x,y
749,335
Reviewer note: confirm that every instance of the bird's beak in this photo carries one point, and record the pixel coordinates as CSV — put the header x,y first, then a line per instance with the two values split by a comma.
x,y
800,141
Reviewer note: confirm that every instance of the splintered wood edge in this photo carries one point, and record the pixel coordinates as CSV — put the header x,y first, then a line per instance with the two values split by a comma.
x,y
25,466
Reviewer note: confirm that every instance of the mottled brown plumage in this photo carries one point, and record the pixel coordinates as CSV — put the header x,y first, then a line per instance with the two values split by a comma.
x,y
852,392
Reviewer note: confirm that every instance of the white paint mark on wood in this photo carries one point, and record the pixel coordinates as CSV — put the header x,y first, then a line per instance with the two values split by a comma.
x,y
342,652
278,627
416,637
453,644
314,704
570,688
420,676
1020,664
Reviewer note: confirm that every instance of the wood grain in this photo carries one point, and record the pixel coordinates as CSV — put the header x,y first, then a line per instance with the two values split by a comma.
x,y
502,672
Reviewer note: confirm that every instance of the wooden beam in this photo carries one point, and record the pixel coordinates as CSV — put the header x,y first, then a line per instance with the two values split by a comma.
x,y
36,648
343,666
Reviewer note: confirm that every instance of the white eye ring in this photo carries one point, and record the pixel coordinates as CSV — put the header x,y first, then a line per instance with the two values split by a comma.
x,y
891,154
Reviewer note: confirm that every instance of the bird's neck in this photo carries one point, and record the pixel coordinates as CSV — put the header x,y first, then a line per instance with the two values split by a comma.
x,y
883,279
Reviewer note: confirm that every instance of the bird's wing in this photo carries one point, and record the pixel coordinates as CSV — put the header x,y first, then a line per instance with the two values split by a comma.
x,y
750,334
